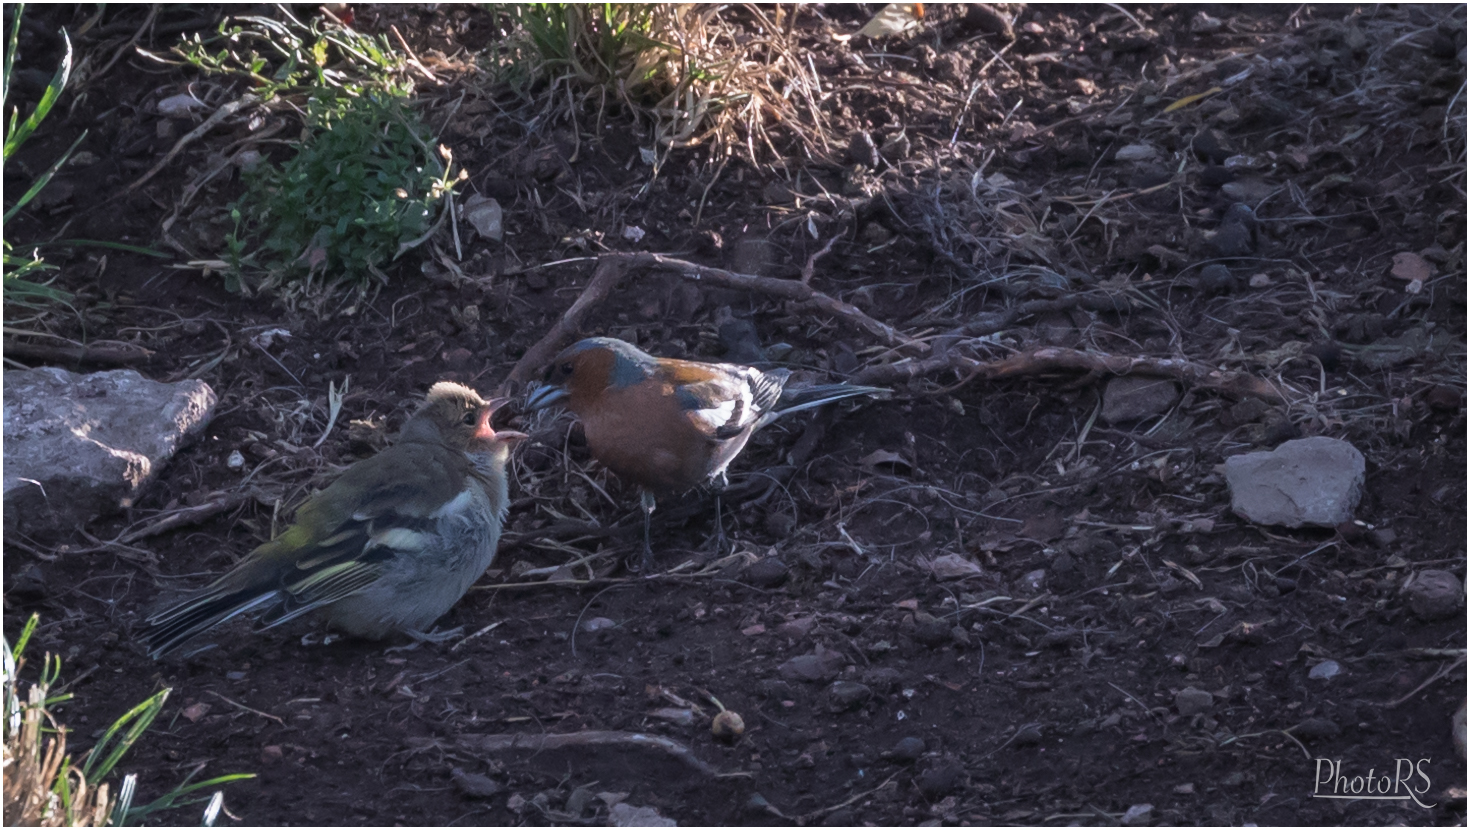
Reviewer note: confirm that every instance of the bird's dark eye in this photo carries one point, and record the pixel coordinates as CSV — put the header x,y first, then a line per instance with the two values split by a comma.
x,y
470,419
566,368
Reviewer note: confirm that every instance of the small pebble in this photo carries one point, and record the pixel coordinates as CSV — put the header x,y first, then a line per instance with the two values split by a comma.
x,y
1434,595
1325,670
1192,701
767,573
473,784
940,780
845,694
1138,814
908,749
1028,735
1216,279
1316,728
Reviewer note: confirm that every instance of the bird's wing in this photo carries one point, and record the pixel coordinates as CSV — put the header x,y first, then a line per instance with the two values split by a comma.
x,y
726,402
350,539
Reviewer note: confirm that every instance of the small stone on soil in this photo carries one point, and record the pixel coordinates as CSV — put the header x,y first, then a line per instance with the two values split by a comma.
x,y
1434,595
1192,701
908,749
845,694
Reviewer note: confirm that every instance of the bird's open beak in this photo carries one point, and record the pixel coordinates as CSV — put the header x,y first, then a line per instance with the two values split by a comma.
x,y
483,431
544,396
486,434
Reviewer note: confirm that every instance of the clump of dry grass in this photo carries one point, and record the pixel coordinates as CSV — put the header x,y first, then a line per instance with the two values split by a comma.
x,y
43,788
732,79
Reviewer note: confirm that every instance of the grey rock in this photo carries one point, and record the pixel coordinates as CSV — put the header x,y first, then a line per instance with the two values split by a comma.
x,y
1192,701
1310,481
774,689
474,784
930,631
1032,582
1252,191
1382,537
940,780
953,566
821,666
1028,735
896,147
908,749
845,694
1210,145
1138,815
739,339
861,149
1137,152
623,814
767,573
798,628
1325,670
1237,234
80,446
1135,398
1434,595
884,679
1316,728
753,255
1217,279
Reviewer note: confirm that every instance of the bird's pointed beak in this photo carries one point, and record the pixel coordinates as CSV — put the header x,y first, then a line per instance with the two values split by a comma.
x,y
544,396
511,437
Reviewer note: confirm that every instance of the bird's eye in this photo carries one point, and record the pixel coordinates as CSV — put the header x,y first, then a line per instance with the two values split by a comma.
x,y
566,368
470,419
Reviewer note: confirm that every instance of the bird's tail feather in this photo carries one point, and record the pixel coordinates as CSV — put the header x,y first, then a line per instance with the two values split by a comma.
x,y
169,629
810,397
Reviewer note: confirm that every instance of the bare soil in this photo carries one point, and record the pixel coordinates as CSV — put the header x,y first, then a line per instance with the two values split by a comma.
x,y
1112,575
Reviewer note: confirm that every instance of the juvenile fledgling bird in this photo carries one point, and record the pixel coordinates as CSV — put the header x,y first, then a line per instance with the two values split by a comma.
x,y
390,546
669,425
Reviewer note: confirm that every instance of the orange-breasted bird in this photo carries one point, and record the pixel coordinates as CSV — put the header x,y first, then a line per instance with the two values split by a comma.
x,y
669,425
390,546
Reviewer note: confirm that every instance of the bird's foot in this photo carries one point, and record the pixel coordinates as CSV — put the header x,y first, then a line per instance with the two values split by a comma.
x,y
419,637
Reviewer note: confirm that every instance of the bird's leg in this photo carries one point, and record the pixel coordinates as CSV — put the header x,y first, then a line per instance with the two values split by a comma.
x,y
648,505
719,485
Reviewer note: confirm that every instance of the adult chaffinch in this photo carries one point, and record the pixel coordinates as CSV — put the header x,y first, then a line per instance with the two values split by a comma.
x,y
390,546
669,425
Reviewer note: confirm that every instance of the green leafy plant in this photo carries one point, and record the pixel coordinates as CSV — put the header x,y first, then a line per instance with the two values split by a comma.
x,y
21,269
44,788
288,56
365,185
364,188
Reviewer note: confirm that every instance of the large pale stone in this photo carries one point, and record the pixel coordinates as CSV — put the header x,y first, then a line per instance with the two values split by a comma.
x,y
79,446
1311,481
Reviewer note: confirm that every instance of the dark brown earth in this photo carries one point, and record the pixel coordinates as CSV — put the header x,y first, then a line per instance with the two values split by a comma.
x,y
1044,689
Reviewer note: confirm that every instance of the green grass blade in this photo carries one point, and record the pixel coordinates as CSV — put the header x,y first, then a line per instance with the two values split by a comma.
x,y
35,620
10,45
131,725
101,243
45,179
177,796
124,801
18,134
